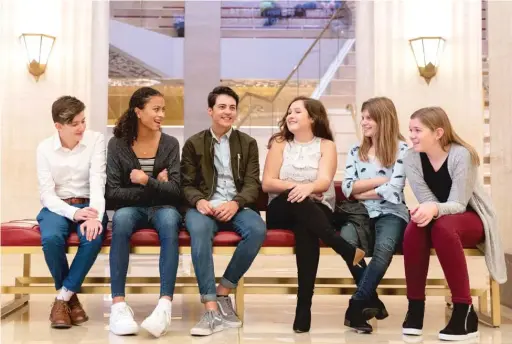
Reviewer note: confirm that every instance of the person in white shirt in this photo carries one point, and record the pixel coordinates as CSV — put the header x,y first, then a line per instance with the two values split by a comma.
x,y
71,175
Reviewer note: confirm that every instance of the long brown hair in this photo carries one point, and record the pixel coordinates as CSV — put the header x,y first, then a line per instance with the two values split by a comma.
x,y
434,118
317,113
383,112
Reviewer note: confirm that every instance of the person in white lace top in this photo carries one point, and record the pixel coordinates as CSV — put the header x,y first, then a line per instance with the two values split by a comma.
x,y
298,176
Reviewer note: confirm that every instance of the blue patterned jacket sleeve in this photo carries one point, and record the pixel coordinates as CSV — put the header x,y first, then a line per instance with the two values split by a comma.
x,y
351,174
392,191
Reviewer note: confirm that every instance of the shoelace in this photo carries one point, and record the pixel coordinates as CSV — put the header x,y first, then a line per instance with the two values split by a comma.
x,y
230,310
125,312
209,319
62,310
163,313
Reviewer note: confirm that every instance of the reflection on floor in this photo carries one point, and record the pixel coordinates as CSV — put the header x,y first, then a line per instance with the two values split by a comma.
x,y
268,318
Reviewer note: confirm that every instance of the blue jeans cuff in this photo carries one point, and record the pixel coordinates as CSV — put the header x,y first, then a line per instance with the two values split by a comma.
x,y
208,298
227,284
118,294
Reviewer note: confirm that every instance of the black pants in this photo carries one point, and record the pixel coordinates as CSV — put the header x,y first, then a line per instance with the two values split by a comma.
x,y
310,221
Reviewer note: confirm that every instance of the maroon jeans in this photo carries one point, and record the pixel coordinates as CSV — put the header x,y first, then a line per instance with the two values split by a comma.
x,y
448,235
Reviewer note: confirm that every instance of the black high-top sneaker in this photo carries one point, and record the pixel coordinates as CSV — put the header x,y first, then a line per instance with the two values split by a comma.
x,y
462,325
375,308
413,323
354,317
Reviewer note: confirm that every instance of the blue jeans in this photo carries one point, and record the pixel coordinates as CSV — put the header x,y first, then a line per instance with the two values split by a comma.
x,y
166,220
389,231
247,223
55,230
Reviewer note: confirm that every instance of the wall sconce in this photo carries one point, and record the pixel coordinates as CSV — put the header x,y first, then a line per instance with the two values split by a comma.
x,y
38,48
427,52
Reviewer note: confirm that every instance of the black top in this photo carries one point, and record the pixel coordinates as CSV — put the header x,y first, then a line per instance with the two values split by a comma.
x,y
440,182
121,160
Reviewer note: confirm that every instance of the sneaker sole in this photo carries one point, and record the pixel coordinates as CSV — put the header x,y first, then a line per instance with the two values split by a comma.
x,y
205,332
358,329
412,331
155,332
458,337
230,324
126,332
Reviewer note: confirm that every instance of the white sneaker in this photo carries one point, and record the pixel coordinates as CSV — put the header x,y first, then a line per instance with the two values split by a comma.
x,y
158,322
121,320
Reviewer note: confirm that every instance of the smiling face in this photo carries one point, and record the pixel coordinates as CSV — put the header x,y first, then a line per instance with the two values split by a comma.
x,y
72,132
153,113
368,125
224,112
423,138
298,118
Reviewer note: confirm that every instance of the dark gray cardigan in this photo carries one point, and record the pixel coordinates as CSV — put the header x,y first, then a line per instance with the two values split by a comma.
x,y
121,160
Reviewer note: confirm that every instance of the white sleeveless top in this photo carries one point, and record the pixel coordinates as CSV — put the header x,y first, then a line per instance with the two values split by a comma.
x,y
300,165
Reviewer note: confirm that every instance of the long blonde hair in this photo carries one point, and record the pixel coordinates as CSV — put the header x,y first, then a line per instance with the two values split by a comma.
x,y
386,139
434,118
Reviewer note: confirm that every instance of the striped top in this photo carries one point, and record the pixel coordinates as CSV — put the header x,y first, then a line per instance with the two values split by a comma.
x,y
147,165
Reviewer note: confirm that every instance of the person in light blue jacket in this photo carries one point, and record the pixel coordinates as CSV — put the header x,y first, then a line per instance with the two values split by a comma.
x,y
374,175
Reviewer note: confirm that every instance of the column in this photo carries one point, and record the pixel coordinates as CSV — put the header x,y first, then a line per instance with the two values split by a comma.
x,y
202,52
365,54
98,104
500,105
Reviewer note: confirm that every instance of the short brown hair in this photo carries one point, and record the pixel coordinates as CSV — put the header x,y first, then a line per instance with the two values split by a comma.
x,y
66,108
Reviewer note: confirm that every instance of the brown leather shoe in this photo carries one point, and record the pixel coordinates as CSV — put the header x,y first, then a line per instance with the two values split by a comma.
x,y
77,313
59,316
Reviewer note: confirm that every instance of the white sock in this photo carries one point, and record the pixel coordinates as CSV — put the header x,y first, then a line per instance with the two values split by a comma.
x,y
65,294
165,303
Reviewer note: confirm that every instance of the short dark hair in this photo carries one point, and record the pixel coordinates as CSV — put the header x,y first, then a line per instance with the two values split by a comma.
x,y
217,91
65,109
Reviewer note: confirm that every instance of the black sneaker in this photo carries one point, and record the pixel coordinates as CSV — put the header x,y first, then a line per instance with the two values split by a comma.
x,y
462,325
413,323
354,317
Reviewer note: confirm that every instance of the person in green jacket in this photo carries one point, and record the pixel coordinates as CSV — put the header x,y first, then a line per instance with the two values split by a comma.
x,y
220,175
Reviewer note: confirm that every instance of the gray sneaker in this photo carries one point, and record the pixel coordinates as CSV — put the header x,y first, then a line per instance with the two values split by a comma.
x,y
210,323
226,310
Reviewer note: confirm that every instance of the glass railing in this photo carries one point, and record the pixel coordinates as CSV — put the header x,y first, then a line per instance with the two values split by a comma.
x,y
257,110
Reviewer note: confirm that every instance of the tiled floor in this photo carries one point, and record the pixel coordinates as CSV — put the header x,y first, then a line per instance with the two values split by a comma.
x,y
268,318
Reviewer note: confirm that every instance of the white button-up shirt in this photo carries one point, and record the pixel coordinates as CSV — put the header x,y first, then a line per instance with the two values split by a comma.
x,y
63,173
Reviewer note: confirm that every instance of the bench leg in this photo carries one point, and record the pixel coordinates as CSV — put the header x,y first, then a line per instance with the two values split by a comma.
x,y
239,299
495,303
20,300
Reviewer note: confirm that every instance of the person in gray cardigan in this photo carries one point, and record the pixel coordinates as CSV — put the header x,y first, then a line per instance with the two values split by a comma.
x,y
143,185
454,212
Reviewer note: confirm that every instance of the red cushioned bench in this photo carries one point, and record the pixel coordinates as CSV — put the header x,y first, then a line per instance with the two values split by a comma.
x,y
23,237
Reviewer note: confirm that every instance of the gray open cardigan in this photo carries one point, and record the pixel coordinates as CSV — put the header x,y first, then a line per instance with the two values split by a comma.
x,y
466,188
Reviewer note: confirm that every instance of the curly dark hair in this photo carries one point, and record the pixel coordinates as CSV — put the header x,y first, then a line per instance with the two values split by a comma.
x,y
127,125
317,113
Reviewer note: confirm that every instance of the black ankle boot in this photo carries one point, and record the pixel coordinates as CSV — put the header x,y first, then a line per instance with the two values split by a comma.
x,y
413,323
375,308
354,317
302,322
462,325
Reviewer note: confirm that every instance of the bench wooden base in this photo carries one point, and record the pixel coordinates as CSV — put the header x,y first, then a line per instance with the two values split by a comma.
x,y
25,285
